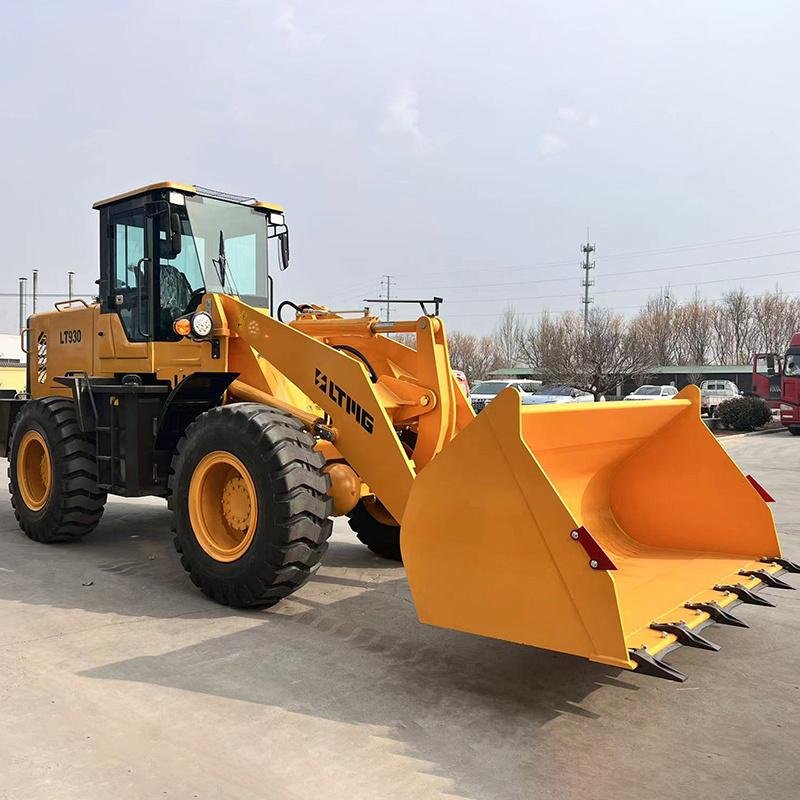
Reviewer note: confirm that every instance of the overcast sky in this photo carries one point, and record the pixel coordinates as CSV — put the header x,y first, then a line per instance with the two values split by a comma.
x,y
453,145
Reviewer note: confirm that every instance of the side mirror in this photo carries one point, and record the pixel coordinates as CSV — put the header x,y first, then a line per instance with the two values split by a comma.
x,y
283,242
277,229
174,234
770,365
170,244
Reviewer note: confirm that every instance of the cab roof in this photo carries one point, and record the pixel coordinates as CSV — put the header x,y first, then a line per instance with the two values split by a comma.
x,y
185,188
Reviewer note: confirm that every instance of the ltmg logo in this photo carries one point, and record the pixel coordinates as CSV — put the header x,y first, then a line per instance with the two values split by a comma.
x,y
343,400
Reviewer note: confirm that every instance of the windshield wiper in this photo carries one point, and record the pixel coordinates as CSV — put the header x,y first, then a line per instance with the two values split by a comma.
x,y
221,263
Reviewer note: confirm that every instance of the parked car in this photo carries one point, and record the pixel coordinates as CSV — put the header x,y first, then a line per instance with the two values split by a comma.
x,y
485,391
559,394
461,380
713,393
652,393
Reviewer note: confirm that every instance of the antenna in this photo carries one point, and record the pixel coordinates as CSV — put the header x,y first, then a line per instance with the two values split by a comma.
x,y
587,265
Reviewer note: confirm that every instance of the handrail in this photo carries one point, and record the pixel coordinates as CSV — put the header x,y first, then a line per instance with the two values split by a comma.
x,y
59,303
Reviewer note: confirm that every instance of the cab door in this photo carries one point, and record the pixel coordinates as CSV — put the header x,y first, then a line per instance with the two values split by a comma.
x,y
131,259
767,371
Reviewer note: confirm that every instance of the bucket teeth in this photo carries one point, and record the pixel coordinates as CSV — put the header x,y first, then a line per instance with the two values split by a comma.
x,y
652,666
766,577
744,594
685,635
718,614
789,566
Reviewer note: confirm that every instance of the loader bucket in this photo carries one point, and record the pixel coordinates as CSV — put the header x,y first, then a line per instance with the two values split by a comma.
x,y
578,527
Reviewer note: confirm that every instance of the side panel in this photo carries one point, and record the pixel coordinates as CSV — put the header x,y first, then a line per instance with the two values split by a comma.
x,y
60,342
81,339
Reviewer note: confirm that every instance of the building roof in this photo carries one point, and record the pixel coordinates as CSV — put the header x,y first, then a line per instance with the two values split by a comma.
x,y
514,371
667,369
701,369
186,188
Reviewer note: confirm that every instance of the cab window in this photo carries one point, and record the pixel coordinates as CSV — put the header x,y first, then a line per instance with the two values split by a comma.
x,y
129,270
129,248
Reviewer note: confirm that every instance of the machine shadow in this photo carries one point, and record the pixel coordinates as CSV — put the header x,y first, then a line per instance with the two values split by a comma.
x,y
127,566
458,704
349,650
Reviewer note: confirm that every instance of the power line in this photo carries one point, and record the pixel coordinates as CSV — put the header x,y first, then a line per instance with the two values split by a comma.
x,y
613,274
626,288
638,307
737,240
701,245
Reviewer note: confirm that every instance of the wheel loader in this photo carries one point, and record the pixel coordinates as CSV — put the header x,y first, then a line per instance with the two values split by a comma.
x,y
588,529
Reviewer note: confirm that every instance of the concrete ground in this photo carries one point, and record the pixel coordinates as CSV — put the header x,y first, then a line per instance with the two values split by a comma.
x,y
119,680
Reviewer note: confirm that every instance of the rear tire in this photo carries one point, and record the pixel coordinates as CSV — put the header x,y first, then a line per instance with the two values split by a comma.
x,y
52,473
794,430
248,479
383,540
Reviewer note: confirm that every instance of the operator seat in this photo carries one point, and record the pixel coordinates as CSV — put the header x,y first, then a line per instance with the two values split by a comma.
x,y
176,294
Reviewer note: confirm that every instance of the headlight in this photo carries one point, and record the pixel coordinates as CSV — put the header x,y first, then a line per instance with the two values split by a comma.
x,y
202,324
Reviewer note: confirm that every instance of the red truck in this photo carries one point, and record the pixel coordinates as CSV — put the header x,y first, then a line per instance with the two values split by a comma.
x,y
777,380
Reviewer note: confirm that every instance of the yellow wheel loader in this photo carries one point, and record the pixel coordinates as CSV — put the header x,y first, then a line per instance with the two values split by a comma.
x,y
586,530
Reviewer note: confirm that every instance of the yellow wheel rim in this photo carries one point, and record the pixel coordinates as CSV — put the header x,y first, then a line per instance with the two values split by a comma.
x,y
223,507
34,470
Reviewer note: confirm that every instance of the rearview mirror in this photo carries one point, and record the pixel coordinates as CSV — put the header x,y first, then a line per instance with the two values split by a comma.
x,y
174,234
283,241
169,243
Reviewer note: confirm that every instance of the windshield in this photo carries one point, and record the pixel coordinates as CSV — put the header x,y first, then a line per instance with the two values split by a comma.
x,y
223,248
648,390
555,391
792,364
490,387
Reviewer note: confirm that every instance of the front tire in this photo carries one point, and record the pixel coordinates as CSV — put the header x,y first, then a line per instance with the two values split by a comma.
x,y
794,430
52,473
382,539
249,504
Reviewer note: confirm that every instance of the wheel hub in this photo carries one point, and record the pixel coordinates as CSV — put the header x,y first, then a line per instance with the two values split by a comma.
x,y
223,506
236,503
34,470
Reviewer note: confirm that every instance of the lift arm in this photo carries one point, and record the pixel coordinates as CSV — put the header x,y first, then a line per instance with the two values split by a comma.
x,y
367,384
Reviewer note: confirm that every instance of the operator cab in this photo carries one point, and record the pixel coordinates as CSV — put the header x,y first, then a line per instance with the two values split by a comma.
x,y
162,247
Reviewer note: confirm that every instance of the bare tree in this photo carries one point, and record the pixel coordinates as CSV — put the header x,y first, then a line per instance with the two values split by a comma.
x,y
776,317
694,331
655,327
737,308
475,356
408,339
663,332
595,361
609,353
508,335
722,349
545,345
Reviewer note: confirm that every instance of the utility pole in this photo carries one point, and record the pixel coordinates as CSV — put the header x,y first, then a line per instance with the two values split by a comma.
x,y
587,265
35,289
388,279
70,277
